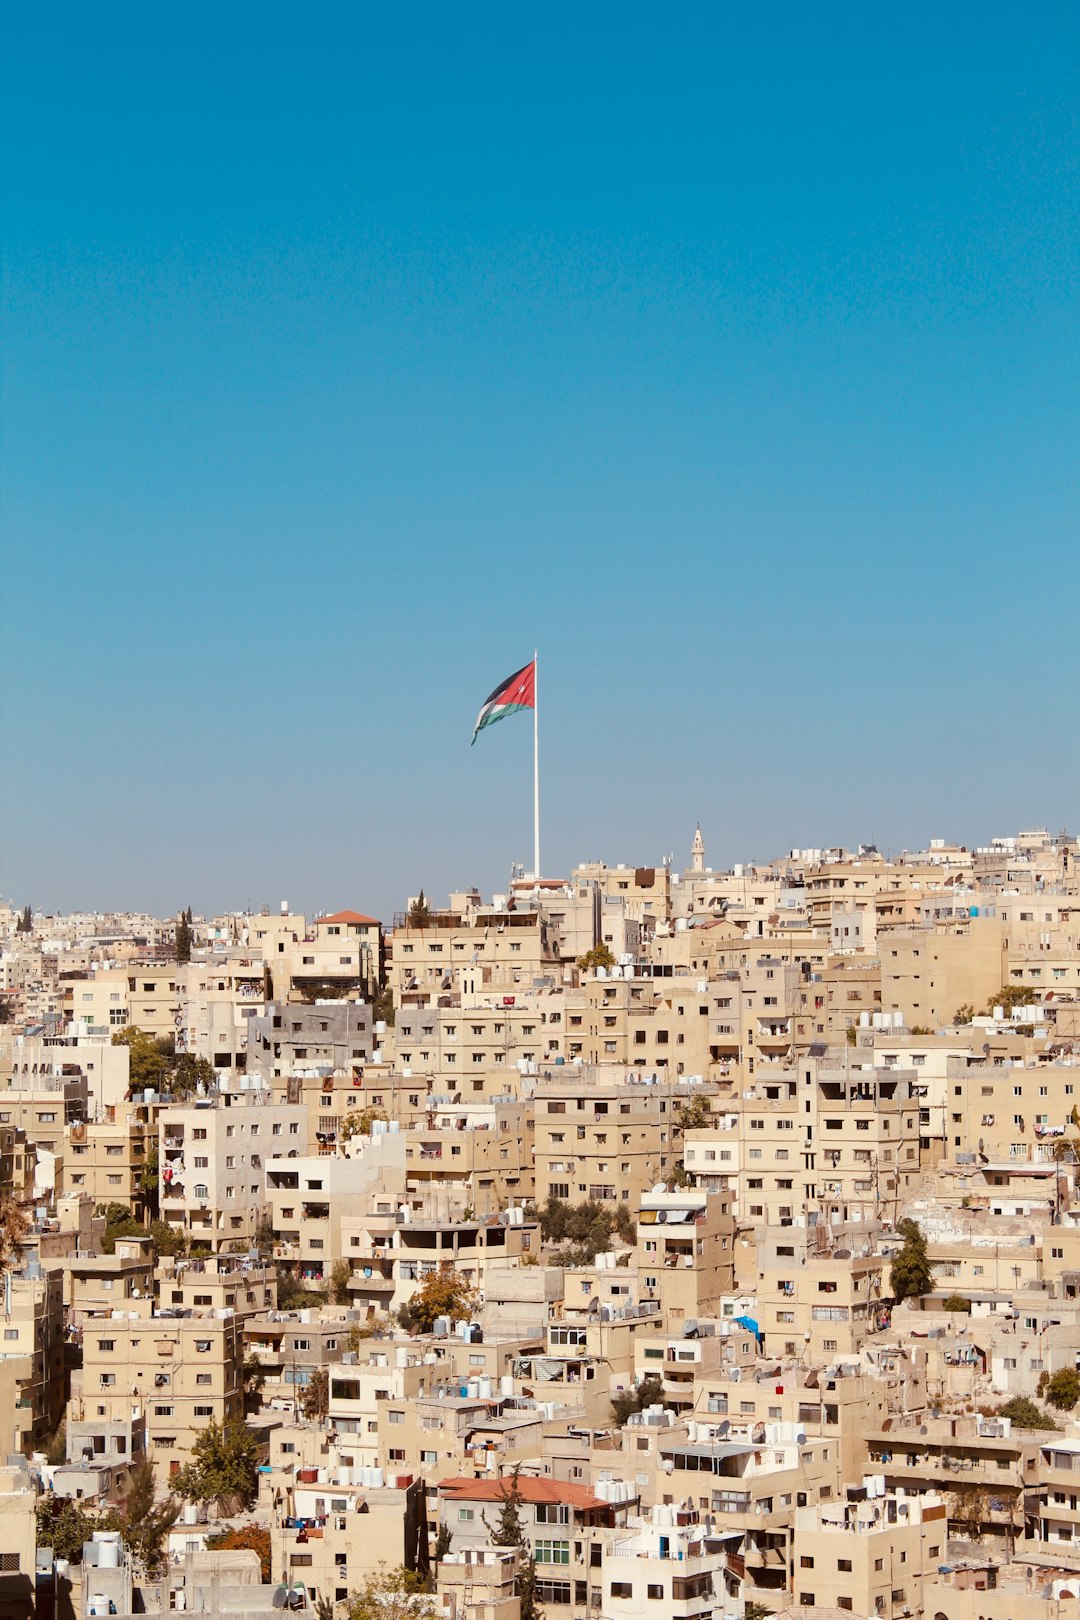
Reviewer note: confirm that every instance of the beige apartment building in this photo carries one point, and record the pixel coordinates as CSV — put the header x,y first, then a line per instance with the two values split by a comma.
x,y
749,1487
869,1553
289,1347
105,1157
225,994
978,1464
817,1303
1010,1113
33,1342
179,1373
96,1001
333,956
844,1141
18,1543
646,1023
340,1530
307,1199
606,1134
392,1248
685,1251
97,1283
93,1060
480,1584
157,994
480,1048
463,954
241,1283
927,974
42,1105
485,1150
213,1155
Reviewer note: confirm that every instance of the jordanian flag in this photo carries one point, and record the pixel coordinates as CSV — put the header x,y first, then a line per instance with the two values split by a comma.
x,y
518,691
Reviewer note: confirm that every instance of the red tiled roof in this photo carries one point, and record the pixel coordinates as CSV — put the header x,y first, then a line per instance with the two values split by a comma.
x,y
531,1490
349,917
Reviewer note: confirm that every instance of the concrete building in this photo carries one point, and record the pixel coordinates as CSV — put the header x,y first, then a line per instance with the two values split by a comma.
x,y
870,1553
213,1155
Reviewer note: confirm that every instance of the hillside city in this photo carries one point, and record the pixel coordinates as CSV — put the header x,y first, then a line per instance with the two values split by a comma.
x,y
654,1243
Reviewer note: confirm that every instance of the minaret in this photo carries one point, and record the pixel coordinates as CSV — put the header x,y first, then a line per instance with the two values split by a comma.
x,y
697,851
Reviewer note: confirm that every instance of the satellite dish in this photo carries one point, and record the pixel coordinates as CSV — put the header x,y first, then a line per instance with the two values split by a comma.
x,y
278,1600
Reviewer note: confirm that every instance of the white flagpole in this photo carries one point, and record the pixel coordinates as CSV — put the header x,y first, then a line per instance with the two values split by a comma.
x,y
536,768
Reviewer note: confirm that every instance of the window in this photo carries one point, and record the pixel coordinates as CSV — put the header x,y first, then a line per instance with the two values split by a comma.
x,y
552,1552
204,1411
553,1513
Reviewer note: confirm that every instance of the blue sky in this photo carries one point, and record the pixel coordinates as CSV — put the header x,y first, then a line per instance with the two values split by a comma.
x,y
730,355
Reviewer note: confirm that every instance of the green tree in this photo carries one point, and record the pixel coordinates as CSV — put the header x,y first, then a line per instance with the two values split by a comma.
x,y
293,1295
358,1122
254,1377
420,912
254,1537
969,1508
56,1444
223,1468
964,1013
147,1059
509,1531
1014,995
186,1073
264,1234
394,1594
601,956
694,1115
442,1293
168,1239
383,1006
1063,1389
650,1392
911,1274
340,1277
957,1302
149,1183
586,1228
14,1226
25,924
753,1610
145,1522
119,1222
443,1542
65,1526
1026,1415
182,939
315,1399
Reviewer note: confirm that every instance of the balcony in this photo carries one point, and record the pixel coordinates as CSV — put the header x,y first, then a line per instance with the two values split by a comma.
x,y
365,1282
